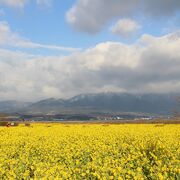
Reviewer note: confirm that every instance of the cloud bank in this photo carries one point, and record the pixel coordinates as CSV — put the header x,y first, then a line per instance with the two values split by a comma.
x,y
150,65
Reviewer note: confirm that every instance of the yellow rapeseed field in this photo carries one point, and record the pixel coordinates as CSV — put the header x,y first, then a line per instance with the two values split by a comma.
x,y
57,151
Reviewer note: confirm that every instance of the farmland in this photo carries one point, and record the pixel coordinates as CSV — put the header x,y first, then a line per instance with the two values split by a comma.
x,y
90,151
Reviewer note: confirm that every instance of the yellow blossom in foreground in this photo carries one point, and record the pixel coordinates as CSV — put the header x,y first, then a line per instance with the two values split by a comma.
x,y
57,151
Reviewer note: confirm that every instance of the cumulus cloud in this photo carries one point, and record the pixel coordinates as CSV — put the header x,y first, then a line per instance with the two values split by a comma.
x,y
12,39
150,65
14,3
91,15
125,28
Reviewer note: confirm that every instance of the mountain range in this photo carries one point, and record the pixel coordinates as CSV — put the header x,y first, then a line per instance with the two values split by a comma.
x,y
161,104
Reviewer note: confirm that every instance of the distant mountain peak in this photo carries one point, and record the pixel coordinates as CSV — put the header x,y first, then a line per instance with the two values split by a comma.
x,y
106,102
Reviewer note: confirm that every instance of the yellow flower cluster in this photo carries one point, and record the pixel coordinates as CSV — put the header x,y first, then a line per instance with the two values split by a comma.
x,y
57,151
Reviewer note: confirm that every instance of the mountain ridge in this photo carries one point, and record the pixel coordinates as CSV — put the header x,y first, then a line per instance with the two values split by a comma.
x,y
110,102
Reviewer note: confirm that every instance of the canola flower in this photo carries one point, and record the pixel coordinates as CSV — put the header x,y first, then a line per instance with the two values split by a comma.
x,y
57,151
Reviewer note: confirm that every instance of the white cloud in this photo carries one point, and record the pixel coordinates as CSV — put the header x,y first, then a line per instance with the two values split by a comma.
x,y
22,3
150,65
125,28
6,36
92,15
9,38
14,3
28,44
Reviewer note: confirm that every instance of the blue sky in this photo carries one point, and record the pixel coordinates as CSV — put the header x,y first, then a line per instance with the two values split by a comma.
x,y
48,25
89,41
